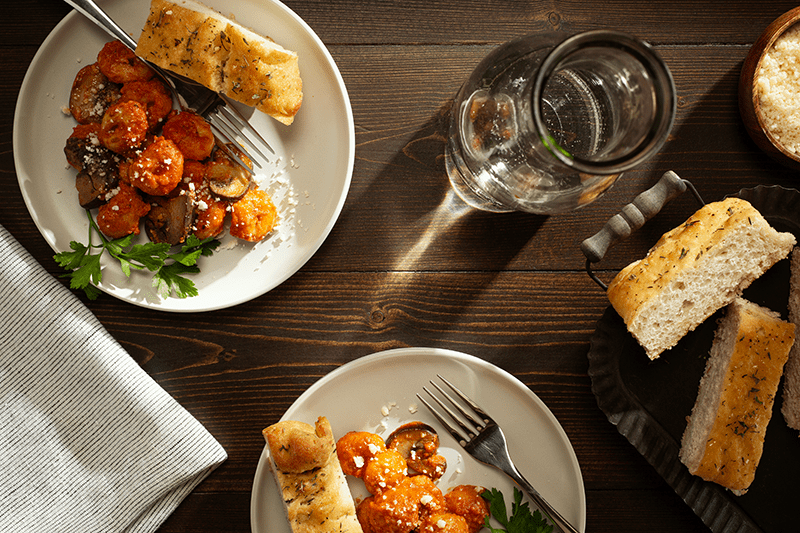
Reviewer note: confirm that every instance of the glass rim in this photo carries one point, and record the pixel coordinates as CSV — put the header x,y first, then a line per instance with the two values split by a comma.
x,y
666,99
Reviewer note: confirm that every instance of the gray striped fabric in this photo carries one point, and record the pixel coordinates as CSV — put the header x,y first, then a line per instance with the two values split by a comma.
x,y
88,441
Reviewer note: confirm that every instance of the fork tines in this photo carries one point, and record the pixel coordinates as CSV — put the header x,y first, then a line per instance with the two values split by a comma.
x,y
230,126
476,421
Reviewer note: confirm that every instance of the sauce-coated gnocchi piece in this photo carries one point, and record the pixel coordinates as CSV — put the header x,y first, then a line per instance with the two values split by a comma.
x,y
401,508
158,169
356,448
191,133
384,471
253,216
120,216
153,95
124,127
210,211
466,501
444,523
121,65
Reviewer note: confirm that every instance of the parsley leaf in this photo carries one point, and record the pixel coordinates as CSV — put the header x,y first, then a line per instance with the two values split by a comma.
x,y
85,272
72,260
150,255
521,520
169,277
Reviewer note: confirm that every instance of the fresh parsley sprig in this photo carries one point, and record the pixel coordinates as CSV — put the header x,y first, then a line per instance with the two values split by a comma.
x,y
84,266
521,520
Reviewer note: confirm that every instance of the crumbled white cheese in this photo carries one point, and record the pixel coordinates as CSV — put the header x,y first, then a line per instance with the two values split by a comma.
x,y
112,193
778,85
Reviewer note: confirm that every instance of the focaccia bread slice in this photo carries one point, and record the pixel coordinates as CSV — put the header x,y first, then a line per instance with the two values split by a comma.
x,y
306,468
724,437
791,380
197,42
694,270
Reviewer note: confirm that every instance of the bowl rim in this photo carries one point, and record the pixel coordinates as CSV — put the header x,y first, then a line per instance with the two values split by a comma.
x,y
763,44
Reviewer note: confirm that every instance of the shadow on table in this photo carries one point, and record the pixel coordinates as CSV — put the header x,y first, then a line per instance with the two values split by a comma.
x,y
407,221
423,225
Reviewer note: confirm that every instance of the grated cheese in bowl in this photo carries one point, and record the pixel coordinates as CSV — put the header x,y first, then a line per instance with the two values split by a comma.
x,y
778,84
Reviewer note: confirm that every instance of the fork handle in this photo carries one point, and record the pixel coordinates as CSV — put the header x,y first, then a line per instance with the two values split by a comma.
x,y
95,13
554,516
91,10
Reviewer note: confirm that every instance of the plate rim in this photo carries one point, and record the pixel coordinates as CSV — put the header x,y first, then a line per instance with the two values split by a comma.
x,y
179,305
470,360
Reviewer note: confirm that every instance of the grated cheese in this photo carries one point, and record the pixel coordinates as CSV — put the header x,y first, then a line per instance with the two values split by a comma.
x,y
778,85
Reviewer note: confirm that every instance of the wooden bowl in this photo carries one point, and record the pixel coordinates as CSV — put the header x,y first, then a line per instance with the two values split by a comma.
x,y
749,105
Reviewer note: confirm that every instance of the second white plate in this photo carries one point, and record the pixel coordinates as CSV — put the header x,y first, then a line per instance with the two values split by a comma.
x,y
355,397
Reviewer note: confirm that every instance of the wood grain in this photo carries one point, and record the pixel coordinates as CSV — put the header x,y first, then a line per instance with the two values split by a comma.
x,y
406,265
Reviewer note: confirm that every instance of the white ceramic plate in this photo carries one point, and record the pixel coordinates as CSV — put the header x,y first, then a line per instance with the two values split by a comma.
x,y
353,396
309,178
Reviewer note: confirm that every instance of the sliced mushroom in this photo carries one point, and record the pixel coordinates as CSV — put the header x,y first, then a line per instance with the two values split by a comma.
x,y
99,171
92,192
225,178
170,218
92,93
419,444
75,150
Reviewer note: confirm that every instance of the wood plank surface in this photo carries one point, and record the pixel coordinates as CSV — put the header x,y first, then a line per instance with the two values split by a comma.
x,y
406,264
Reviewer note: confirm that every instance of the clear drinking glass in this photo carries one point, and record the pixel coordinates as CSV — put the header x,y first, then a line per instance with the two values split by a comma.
x,y
547,123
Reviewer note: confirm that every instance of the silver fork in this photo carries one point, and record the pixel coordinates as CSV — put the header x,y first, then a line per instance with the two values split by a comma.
x,y
227,123
486,442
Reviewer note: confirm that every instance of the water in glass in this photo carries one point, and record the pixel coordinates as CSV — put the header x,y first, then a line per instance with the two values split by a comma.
x,y
546,124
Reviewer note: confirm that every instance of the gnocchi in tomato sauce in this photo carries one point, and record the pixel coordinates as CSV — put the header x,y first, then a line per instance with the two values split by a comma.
x,y
141,162
402,498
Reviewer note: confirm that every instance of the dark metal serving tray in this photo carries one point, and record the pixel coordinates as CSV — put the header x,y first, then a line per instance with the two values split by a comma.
x,y
648,401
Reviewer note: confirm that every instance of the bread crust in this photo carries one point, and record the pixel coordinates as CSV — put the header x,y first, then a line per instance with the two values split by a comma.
x,y
724,437
694,270
191,39
262,76
306,468
790,407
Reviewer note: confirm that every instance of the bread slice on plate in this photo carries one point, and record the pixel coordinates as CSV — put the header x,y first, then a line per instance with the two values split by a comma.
x,y
199,43
724,437
694,270
314,490
791,381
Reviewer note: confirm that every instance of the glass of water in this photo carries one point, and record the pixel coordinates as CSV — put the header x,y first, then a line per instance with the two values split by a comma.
x,y
547,123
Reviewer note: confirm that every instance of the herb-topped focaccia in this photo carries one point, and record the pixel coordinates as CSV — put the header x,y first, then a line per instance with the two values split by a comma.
x,y
313,487
191,39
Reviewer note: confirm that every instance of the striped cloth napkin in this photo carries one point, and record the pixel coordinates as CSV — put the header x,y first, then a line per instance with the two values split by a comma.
x,y
88,441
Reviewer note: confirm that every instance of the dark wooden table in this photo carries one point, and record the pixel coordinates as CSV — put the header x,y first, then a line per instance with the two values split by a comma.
x,y
509,289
